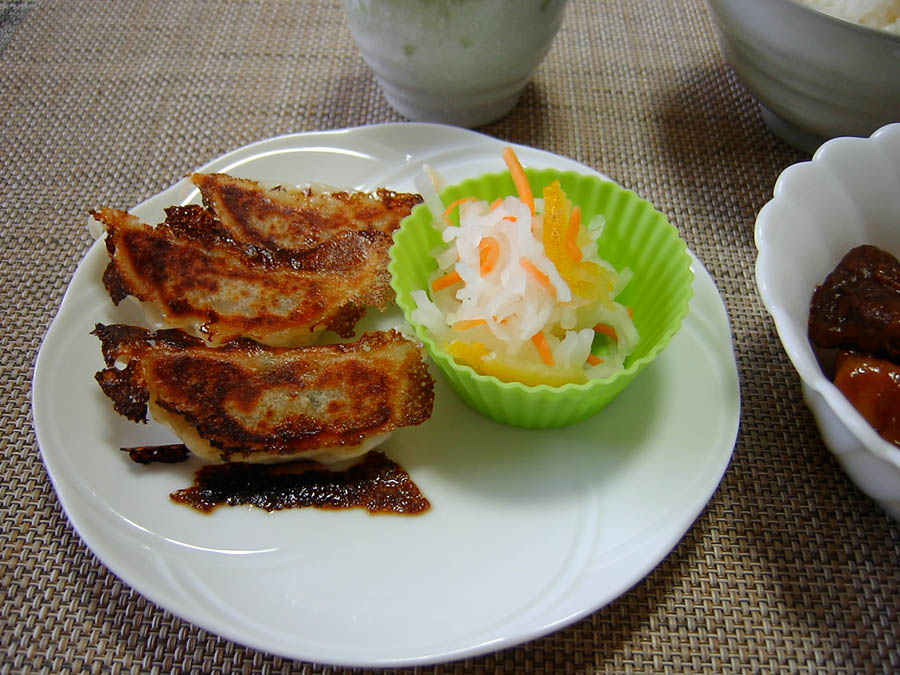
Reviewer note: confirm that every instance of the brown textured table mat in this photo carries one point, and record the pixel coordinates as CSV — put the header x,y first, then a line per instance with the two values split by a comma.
x,y
789,568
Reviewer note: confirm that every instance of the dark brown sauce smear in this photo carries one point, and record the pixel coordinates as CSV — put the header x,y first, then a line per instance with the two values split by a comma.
x,y
377,484
165,454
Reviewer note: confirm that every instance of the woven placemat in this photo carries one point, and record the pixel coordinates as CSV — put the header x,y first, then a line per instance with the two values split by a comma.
x,y
789,568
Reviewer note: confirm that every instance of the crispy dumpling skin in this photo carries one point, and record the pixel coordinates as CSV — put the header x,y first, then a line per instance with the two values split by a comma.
x,y
297,219
274,264
251,403
189,274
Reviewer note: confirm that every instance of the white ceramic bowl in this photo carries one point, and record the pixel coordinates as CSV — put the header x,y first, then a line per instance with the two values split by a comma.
x,y
452,62
848,194
815,76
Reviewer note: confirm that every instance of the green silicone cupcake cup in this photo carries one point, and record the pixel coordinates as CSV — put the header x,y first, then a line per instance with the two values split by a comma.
x,y
636,236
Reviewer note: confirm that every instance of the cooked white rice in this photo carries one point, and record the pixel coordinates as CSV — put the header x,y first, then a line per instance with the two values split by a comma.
x,y
883,14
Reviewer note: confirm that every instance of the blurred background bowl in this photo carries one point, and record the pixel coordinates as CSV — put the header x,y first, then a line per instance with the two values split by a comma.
x,y
815,76
451,62
635,236
848,194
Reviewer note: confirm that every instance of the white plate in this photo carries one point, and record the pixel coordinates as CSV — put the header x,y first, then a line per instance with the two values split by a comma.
x,y
528,530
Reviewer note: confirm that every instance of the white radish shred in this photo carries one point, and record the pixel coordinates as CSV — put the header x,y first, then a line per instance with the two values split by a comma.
x,y
496,314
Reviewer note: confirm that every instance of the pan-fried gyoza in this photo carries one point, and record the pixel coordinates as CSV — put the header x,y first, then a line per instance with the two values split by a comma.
x,y
276,265
248,402
297,219
188,275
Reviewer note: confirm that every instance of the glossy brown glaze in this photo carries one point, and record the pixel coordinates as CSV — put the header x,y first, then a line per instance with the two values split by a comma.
x,y
857,307
377,484
872,385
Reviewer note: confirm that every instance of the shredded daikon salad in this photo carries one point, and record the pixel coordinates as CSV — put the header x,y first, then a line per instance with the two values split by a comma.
x,y
520,292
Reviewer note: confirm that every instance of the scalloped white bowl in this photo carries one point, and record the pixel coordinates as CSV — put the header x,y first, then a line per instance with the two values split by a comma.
x,y
848,194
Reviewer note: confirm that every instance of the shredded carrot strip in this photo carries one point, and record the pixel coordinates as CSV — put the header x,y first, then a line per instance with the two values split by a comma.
x,y
453,205
630,312
542,278
594,360
445,281
606,329
497,202
489,253
466,324
571,238
511,219
543,348
575,220
520,180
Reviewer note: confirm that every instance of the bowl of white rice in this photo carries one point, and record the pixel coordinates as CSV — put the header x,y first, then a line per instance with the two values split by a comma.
x,y
539,318
818,68
877,14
